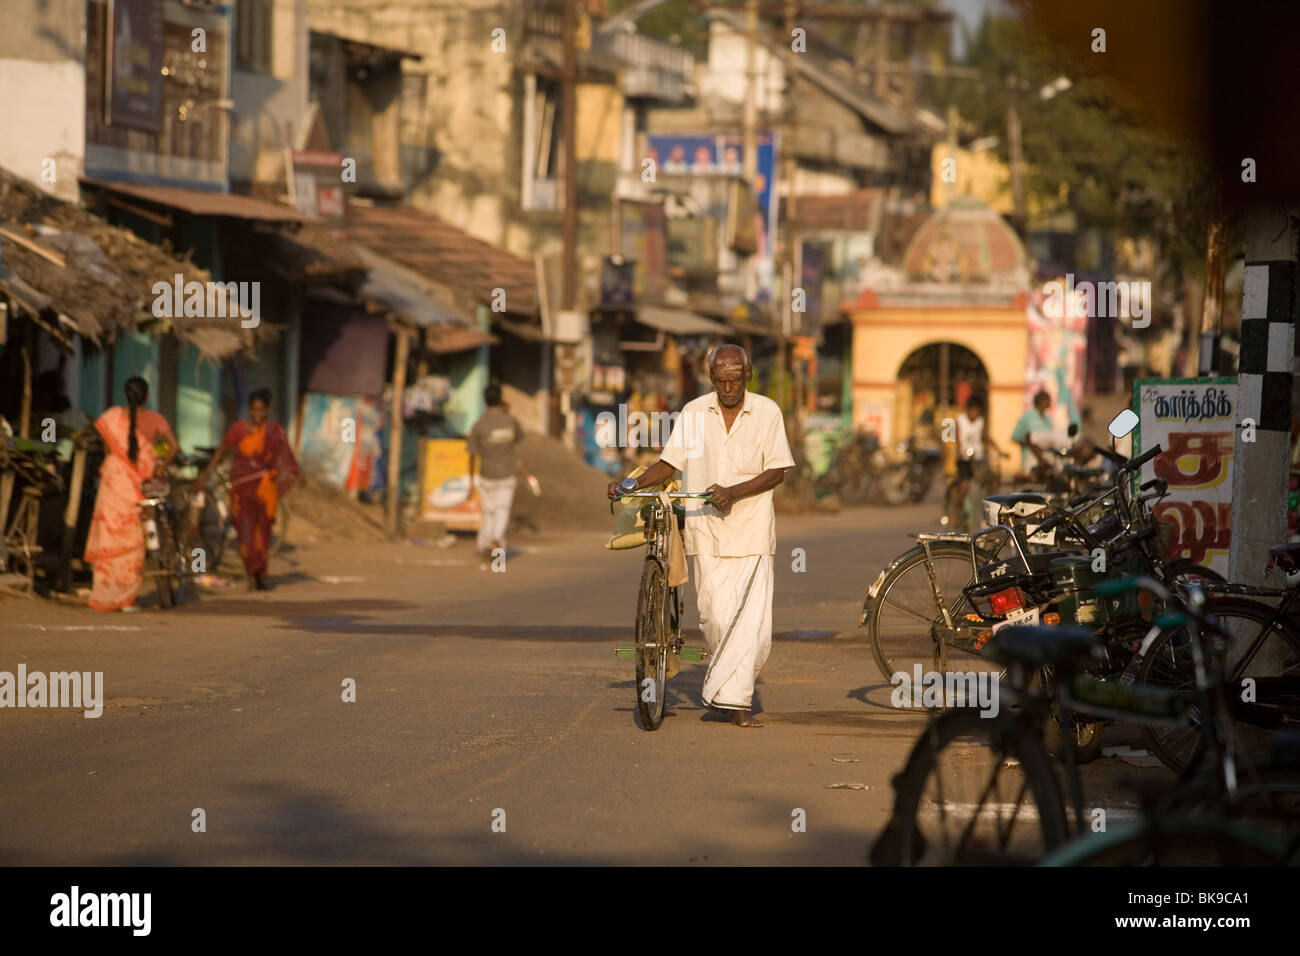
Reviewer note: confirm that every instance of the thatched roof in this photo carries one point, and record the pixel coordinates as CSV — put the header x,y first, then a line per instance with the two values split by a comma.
x,y
79,275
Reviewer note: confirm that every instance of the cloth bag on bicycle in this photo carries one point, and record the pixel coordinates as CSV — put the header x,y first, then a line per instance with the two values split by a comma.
x,y
629,527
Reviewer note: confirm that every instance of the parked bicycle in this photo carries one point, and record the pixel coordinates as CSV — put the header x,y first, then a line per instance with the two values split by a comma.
x,y
1260,644
659,647
165,562
942,601
979,790
209,522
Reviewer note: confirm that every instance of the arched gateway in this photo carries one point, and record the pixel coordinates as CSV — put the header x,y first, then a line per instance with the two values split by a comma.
x,y
952,310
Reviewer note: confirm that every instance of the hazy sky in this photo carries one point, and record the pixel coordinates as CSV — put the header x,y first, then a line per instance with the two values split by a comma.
x,y
970,12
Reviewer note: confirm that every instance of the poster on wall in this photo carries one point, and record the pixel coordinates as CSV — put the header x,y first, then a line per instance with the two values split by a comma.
x,y
317,186
134,84
1058,351
342,440
445,493
1194,421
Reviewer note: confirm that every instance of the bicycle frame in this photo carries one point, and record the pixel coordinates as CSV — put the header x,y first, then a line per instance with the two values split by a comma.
x,y
657,528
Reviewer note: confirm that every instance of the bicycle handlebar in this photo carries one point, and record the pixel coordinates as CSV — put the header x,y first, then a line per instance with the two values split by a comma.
x,y
1146,456
699,495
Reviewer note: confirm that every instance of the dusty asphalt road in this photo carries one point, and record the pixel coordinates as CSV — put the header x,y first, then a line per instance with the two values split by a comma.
x,y
476,691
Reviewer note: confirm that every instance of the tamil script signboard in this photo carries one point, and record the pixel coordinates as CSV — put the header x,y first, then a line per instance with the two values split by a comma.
x,y
1194,420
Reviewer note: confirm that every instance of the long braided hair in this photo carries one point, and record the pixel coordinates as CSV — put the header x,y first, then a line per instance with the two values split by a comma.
x,y
137,393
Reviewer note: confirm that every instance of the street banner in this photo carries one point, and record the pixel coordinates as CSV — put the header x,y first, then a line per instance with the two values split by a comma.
x,y
1194,420
445,492
722,154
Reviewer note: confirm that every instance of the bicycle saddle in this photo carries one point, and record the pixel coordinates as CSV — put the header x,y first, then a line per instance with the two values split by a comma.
x,y
1287,556
1042,646
1029,501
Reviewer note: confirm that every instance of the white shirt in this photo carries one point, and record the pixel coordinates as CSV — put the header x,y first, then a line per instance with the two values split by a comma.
x,y
970,438
708,454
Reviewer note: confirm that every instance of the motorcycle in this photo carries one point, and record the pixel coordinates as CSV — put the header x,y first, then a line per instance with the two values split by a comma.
x,y
855,472
909,481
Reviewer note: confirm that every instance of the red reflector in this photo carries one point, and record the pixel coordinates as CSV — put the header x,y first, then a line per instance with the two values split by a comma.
x,y
1008,600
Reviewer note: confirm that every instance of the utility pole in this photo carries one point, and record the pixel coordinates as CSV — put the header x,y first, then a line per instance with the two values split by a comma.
x,y
569,257
569,106
750,119
1261,455
1014,149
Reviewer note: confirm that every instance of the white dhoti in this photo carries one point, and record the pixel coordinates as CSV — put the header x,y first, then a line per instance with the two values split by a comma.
x,y
496,495
734,597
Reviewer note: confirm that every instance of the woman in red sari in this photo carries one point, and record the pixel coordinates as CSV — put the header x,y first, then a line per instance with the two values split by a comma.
x,y
263,468
115,545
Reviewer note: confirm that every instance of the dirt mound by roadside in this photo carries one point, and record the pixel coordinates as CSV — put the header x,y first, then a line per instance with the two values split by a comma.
x,y
573,493
323,512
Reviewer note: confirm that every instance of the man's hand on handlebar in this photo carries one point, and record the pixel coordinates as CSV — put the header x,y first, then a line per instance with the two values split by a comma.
x,y
723,497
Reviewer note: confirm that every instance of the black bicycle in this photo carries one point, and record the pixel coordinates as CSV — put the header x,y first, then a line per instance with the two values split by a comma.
x,y
659,647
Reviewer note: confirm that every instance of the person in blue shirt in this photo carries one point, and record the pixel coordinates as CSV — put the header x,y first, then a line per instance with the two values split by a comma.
x,y
1034,423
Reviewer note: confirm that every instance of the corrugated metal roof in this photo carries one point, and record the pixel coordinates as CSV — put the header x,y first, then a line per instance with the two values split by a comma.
x,y
201,203
445,254
678,321
391,287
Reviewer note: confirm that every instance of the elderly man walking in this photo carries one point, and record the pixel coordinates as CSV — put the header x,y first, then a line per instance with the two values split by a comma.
x,y
731,443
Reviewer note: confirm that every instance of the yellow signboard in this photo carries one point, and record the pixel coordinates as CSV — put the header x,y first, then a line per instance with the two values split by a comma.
x,y
445,493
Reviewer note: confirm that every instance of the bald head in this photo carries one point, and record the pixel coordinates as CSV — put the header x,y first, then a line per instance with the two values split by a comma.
x,y
729,370
728,353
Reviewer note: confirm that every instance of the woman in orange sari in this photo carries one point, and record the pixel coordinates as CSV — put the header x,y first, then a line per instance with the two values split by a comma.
x,y
115,545
263,468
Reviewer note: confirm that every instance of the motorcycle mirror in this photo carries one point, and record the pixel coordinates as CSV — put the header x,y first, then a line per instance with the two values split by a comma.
x,y
1123,423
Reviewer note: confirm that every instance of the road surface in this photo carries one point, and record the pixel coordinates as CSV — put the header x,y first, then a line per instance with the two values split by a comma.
x,y
492,723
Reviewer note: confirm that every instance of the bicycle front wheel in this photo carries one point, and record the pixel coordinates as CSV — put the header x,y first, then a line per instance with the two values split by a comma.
x,y
906,624
1169,663
651,646
974,791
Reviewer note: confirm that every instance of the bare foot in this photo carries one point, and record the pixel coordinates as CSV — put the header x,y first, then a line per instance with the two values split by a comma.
x,y
743,718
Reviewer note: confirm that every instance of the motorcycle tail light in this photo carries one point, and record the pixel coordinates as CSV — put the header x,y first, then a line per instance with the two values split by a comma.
x,y
1008,600
1052,618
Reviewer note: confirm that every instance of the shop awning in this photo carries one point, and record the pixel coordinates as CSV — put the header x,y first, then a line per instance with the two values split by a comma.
x,y
200,202
678,321
446,329
529,333
392,287
447,338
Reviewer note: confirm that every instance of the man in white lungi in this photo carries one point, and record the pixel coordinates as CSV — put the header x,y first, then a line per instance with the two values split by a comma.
x,y
731,443
492,441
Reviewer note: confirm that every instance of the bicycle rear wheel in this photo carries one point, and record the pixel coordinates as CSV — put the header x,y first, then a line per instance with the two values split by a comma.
x,y
974,791
166,564
651,646
906,624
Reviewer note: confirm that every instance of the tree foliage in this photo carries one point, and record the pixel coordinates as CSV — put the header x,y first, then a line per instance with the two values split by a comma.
x,y
1088,148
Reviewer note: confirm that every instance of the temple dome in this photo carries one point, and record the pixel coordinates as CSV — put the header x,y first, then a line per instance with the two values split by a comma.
x,y
964,244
